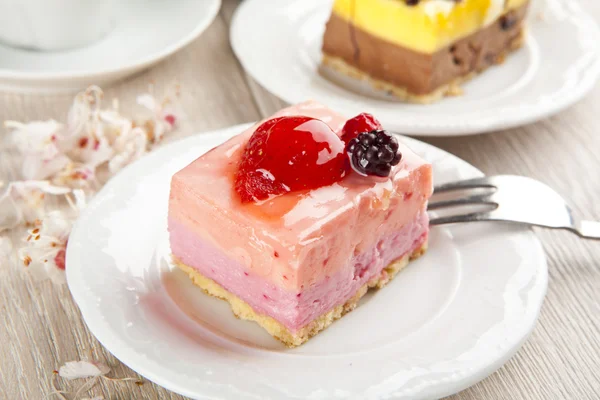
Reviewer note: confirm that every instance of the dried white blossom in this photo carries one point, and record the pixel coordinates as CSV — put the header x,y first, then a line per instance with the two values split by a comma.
x,y
38,146
46,246
104,135
91,150
45,249
23,202
71,161
163,118
131,146
79,201
83,369
84,113
76,176
89,144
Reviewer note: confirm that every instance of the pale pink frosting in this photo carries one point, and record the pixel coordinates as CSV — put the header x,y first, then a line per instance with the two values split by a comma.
x,y
294,309
295,241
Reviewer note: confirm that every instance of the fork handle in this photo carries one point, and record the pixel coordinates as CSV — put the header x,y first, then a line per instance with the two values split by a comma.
x,y
588,229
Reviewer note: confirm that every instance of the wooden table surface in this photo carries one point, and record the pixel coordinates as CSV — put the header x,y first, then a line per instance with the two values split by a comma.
x,y
41,327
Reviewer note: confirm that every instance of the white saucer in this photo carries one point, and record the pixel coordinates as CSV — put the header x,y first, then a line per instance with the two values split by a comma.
x,y
147,32
449,320
279,44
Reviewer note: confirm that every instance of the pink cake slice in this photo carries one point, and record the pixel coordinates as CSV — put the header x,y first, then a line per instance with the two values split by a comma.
x,y
296,262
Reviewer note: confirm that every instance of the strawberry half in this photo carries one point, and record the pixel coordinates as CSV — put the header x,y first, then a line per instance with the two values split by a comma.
x,y
289,154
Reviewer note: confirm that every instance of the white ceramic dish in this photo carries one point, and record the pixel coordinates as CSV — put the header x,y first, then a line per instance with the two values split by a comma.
x,y
55,24
449,320
279,44
146,32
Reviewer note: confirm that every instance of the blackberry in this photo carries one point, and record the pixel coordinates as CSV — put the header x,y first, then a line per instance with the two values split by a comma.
x,y
373,153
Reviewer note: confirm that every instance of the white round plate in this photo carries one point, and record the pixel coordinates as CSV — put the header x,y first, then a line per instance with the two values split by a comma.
x,y
279,44
449,320
147,32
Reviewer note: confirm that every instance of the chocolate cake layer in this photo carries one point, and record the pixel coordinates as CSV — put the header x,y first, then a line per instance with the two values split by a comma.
x,y
421,73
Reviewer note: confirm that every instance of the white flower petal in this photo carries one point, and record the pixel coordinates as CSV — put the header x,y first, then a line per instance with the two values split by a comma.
x,y
34,168
75,176
10,214
129,151
33,136
162,118
44,253
148,101
38,269
24,202
94,154
38,145
82,369
40,264
85,106
57,276
112,117
43,186
160,129
80,201
56,225
31,168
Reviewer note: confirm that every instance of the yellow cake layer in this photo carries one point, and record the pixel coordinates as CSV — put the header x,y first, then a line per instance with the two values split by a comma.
x,y
427,27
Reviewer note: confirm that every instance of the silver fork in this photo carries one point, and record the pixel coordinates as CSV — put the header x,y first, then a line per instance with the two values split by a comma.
x,y
512,199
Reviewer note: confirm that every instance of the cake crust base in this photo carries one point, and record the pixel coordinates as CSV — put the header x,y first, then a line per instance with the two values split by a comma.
x,y
401,93
243,310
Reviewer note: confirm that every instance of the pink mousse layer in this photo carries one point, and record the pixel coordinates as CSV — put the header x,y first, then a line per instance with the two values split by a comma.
x,y
296,308
298,239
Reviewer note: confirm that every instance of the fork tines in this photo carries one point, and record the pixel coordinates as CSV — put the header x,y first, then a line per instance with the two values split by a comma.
x,y
463,200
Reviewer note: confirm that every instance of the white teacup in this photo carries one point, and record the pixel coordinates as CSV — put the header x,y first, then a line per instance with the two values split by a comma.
x,y
50,25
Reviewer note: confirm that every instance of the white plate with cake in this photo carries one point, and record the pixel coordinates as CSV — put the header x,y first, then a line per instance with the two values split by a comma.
x,y
292,221
429,67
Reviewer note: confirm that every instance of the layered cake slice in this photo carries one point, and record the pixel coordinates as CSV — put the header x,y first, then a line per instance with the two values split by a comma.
x,y
293,220
420,50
